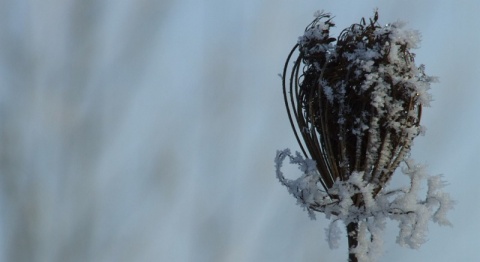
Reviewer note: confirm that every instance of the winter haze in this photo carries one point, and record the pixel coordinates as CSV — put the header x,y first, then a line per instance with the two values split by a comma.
x,y
146,130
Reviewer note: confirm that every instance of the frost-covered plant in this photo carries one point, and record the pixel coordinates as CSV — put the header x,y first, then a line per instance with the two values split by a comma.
x,y
356,102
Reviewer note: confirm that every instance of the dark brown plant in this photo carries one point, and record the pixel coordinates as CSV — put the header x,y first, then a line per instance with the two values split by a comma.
x,y
354,103
339,113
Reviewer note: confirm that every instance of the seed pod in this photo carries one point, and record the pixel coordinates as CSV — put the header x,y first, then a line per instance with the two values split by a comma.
x,y
355,102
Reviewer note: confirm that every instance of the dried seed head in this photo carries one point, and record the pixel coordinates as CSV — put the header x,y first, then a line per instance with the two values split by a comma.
x,y
356,100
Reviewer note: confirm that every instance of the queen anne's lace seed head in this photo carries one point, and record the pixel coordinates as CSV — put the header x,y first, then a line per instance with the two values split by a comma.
x,y
355,105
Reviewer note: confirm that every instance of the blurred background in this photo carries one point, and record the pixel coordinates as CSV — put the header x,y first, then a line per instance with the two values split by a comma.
x,y
142,130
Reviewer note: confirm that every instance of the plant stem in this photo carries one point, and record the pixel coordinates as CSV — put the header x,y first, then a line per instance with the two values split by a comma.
x,y
352,234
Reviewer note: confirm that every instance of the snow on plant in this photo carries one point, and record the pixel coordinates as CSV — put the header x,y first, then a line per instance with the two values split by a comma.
x,y
356,102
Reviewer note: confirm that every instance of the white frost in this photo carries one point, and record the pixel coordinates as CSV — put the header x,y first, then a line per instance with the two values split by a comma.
x,y
402,205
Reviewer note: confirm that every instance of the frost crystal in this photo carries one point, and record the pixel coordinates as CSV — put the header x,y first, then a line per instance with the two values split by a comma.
x,y
356,102
402,204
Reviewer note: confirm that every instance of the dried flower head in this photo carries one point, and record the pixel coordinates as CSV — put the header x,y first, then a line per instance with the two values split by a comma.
x,y
356,101
355,104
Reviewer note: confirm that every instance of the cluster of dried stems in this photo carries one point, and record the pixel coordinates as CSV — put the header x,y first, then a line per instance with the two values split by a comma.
x,y
326,126
346,132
